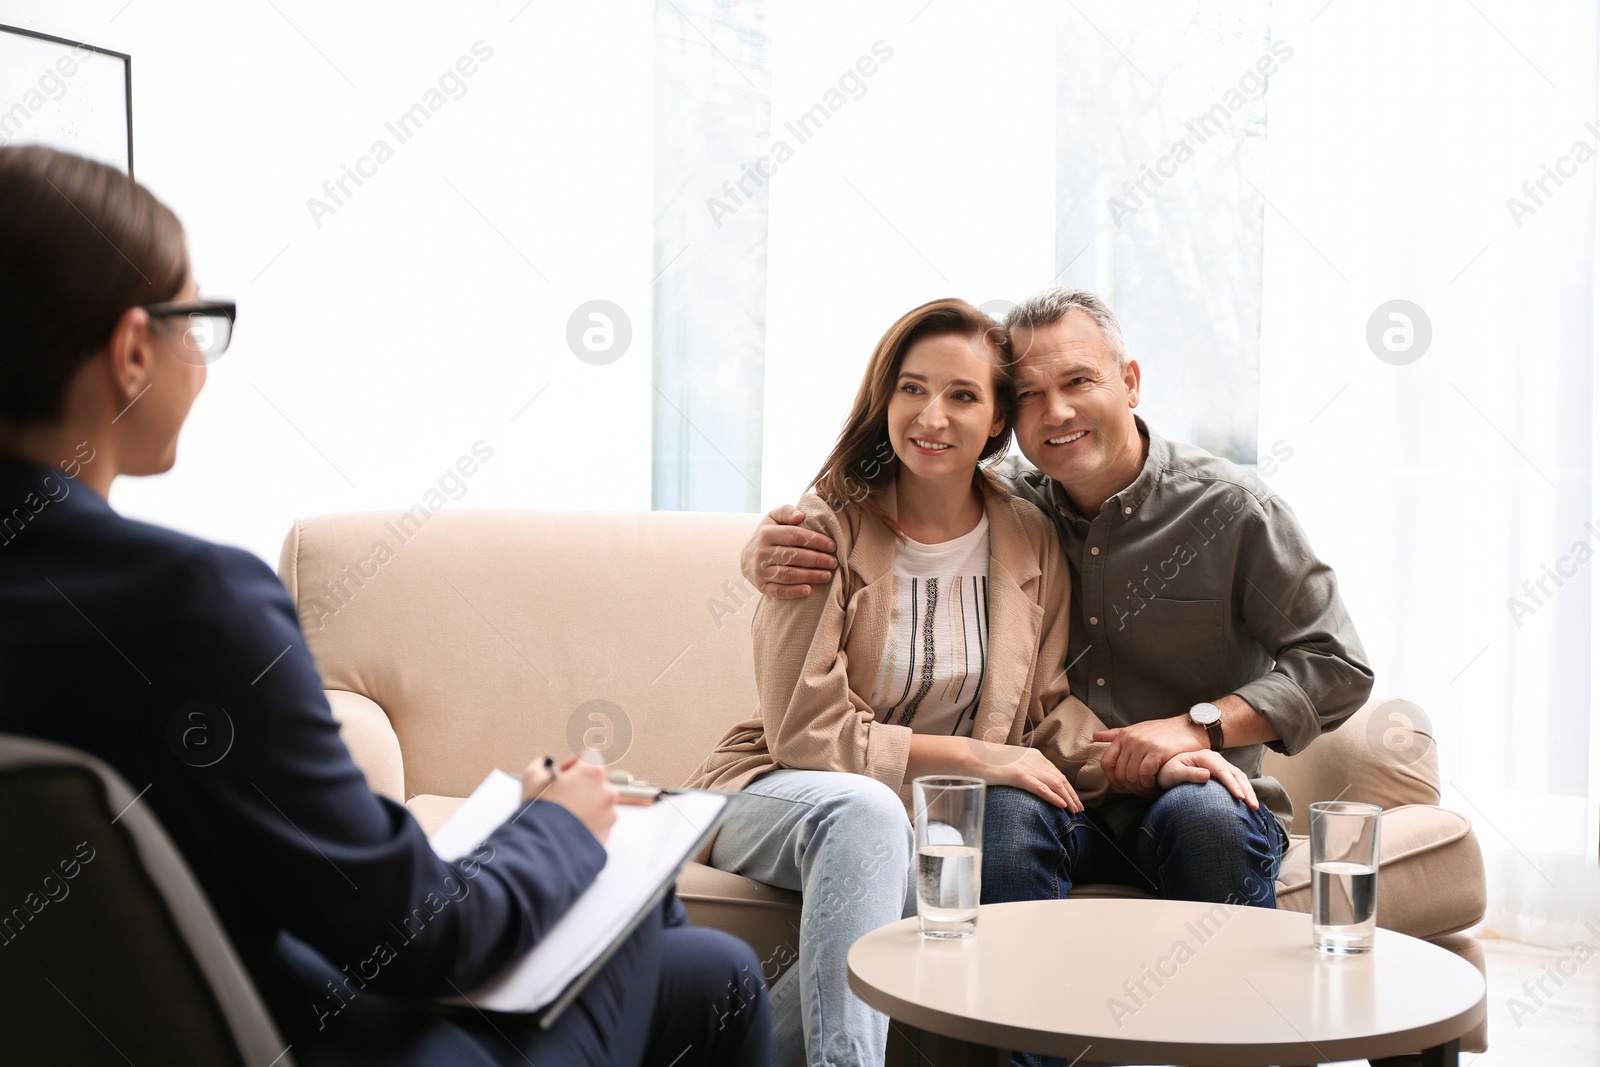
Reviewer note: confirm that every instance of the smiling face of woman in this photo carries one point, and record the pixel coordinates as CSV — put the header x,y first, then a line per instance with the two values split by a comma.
x,y
944,408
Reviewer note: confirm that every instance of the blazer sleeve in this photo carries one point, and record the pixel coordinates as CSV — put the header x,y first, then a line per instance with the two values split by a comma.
x,y
1062,725
809,714
288,813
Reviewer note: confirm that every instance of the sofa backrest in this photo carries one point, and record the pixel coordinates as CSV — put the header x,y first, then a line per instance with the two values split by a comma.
x,y
493,637
489,638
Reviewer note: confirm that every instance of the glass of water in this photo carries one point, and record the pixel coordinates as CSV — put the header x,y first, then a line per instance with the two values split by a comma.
x,y
949,815
1344,875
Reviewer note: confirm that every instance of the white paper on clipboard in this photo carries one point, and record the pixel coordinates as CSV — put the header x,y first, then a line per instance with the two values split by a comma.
x,y
647,848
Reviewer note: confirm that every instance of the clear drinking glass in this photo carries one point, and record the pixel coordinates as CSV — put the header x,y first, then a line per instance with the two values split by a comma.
x,y
949,817
1344,875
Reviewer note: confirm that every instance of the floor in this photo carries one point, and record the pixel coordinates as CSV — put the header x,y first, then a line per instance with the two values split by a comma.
x,y
1528,1028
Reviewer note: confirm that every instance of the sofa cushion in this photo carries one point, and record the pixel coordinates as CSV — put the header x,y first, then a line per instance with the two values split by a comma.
x,y
767,919
1430,872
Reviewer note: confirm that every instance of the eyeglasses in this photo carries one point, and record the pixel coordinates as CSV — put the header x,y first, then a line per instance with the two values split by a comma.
x,y
209,330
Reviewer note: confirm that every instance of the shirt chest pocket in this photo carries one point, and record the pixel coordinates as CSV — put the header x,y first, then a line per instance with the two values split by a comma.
x,y
1182,647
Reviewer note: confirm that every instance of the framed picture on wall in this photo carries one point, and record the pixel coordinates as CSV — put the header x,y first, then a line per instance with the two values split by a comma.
x,y
66,94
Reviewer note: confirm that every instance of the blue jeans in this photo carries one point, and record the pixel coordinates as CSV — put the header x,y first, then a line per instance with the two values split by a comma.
x,y
1194,842
844,842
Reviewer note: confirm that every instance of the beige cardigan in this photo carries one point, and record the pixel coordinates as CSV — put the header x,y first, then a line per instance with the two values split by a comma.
x,y
814,657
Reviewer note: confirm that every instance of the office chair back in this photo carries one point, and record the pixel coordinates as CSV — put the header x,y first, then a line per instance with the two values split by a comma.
x,y
109,952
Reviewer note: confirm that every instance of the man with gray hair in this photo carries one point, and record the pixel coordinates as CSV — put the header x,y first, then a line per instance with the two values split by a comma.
x,y
1201,619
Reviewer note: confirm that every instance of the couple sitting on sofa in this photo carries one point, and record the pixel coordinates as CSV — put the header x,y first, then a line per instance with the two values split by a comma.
x,y
1108,639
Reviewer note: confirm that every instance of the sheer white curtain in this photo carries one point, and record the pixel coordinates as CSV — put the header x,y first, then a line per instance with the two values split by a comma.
x,y
934,177
1452,490
1161,133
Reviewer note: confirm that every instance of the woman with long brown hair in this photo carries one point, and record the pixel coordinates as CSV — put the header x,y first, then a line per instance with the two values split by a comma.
x,y
938,648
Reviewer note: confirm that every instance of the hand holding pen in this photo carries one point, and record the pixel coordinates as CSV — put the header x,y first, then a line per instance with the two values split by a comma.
x,y
579,785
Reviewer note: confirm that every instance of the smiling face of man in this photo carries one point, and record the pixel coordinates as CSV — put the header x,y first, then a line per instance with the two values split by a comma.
x,y
1075,406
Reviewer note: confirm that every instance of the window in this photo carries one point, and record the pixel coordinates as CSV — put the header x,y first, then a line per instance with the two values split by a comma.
x,y
712,119
1160,152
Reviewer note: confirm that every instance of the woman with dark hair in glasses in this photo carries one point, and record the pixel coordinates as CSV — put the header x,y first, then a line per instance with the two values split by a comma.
x,y
113,632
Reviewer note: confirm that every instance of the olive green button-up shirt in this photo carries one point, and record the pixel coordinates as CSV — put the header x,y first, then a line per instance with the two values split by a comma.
x,y
1193,583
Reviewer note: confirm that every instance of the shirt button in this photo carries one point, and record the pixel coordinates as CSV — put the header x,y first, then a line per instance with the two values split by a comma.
x,y
1094,552
1094,620
1099,681
1127,511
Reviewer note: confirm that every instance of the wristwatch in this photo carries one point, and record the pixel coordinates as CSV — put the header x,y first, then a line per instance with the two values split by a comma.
x,y
1209,716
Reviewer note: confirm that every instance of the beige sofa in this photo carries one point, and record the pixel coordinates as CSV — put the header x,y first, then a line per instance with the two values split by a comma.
x,y
457,642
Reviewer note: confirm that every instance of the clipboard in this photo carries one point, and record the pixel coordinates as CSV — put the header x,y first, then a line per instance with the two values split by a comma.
x,y
651,843
548,1017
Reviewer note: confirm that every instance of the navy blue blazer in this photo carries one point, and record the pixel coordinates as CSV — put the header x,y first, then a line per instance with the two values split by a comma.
x,y
181,664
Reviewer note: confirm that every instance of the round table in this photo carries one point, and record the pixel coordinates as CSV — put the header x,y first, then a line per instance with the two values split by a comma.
x,y
1164,981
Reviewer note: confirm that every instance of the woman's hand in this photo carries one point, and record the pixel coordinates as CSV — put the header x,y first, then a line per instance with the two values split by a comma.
x,y
580,787
997,764
1201,767
1027,768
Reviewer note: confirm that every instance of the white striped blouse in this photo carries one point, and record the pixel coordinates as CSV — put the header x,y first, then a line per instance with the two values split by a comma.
x,y
933,667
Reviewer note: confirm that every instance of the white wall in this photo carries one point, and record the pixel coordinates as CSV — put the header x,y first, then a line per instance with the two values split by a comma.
x,y
374,349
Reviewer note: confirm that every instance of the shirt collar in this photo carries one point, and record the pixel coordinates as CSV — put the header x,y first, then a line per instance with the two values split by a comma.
x,y
1128,500
1155,461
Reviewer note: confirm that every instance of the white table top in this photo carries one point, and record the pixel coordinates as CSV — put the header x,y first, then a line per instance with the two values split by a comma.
x,y
1161,981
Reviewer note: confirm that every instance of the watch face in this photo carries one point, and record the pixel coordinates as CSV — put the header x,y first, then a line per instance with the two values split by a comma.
x,y
1205,714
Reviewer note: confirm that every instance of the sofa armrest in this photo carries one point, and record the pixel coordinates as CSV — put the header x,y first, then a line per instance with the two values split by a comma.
x,y
1384,755
372,742
1430,872
431,811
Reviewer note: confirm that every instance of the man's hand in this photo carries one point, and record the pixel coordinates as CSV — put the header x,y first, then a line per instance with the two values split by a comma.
x,y
579,786
1138,752
783,559
1201,767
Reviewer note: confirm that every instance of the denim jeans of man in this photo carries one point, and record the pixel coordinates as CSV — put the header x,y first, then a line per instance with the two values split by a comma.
x,y
1194,842
845,843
